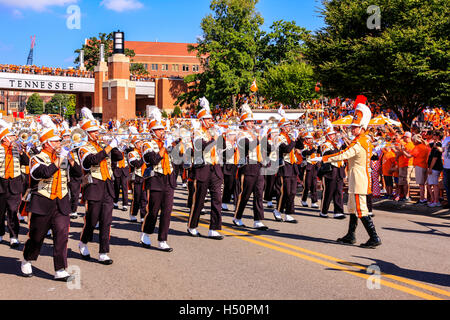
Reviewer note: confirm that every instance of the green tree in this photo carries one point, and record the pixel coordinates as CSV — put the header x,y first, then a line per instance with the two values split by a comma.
x,y
63,104
289,83
283,44
35,104
228,51
92,50
404,64
138,69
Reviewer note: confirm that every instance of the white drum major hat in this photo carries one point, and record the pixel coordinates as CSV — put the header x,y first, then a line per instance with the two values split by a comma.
x,y
363,115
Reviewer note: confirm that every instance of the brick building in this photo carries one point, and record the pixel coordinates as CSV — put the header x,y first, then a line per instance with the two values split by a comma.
x,y
168,63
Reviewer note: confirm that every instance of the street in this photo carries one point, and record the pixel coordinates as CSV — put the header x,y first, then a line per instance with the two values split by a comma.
x,y
288,262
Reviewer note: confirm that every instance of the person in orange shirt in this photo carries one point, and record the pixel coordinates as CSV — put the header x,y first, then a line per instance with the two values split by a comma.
x,y
387,163
419,154
405,165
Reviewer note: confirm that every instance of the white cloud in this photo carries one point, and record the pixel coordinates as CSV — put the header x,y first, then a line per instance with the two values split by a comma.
x,y
121,5
37,5
17,14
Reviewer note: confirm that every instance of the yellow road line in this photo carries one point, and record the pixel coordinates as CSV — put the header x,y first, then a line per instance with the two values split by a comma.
x,y
312,259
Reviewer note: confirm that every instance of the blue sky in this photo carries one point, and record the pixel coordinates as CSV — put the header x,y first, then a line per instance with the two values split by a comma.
x,y
141,20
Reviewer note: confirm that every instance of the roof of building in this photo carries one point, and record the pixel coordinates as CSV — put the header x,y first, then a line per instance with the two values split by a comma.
x,y
160,48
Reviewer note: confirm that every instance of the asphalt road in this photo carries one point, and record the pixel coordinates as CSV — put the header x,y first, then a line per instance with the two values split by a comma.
x,y
287,262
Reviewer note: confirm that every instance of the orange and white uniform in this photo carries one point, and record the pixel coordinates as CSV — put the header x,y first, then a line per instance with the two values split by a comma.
x,y
358,155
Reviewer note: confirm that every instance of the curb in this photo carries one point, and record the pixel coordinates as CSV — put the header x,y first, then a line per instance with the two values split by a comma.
x,y
411,208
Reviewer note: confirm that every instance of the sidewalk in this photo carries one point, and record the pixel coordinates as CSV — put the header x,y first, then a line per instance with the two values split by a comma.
x,y
411,208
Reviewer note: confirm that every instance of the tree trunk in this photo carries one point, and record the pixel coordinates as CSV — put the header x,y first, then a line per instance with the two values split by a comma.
x,y
233,101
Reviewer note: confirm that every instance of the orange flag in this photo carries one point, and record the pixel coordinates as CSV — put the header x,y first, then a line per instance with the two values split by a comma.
x,y
254,87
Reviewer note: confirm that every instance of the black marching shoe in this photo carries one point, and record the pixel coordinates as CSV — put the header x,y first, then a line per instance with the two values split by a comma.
x,y
374,240
349,238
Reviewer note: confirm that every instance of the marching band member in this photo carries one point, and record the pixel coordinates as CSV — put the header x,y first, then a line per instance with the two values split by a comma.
x,y
270,174
311,169
229,169
207,175
288,171
74,182
333,181
99,189
50,204
11,184
358,154
162,184
138,167
121,173
249,175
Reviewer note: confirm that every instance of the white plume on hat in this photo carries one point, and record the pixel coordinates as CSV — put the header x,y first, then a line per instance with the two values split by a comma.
x,y
155,113
281,112
47,123
246,108
204,103
133,130
86,113
65,125
4,124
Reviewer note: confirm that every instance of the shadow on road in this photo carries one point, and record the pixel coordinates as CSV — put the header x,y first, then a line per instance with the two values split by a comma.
x,y
431,231
440,279
11,266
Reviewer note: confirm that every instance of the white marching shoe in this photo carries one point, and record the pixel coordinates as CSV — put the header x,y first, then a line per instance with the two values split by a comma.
x,y
193,232
116,205
238,223
14,243
277,215
104,259
305,204
260,226
164,246
289,219
315,205
84,251
145,240
213,234
97,225
64,276
49,233
27,270
133,218
74,215
21,218
339,216
270,205
184,185
125,208
224,206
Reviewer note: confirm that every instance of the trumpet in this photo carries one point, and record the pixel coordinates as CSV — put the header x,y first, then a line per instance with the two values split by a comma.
x,y
78,138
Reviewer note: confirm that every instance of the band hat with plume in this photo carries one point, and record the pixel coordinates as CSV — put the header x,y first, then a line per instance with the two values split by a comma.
x,y
246,113
329,127
205,112
89,124
49,132
4,129
363,115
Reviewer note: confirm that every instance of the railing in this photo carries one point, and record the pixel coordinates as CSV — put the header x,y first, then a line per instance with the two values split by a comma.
x,y
46,71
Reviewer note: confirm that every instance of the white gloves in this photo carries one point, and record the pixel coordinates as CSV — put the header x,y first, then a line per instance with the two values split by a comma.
x,y
316,159
64,153
114,143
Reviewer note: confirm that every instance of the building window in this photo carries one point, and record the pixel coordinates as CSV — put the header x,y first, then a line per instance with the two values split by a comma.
x,y
154,67
175,67
196,68
164,67
185,67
